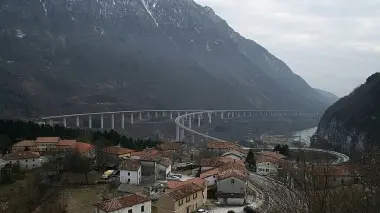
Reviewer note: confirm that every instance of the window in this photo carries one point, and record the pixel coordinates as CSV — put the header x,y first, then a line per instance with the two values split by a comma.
x,y
130,211
232,180
33,159
34,165
142,208
129,173
180,202
26,165
267,170
195,195
129,180
26,161
187,199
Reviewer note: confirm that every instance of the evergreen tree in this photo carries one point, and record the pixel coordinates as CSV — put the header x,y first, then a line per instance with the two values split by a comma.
x,y
251,161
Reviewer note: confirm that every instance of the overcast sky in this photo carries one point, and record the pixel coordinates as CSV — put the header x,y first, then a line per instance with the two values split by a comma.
x,y
333,44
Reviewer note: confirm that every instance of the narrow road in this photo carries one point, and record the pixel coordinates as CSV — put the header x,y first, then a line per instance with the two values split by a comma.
x,y
279,199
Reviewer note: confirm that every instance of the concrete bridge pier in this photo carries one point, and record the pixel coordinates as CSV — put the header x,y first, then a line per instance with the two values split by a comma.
x,y
51,122
64,121
163,114
113,121
209,117
178,114
171,115
190,122
140,116
156,114
122,120
182,135
148,114
90,121
199,120
101,121
177,134
222,115
77,122
132,117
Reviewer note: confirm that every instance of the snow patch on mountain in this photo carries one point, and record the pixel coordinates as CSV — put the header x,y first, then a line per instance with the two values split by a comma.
x,y
146,6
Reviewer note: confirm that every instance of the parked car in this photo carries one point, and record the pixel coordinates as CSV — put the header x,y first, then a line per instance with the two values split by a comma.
x,y
202,211
249,209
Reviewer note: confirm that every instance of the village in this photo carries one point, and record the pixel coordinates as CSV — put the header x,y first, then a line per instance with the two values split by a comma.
x,y
171,177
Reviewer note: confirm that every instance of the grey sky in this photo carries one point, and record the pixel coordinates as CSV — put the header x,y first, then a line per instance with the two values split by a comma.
x,y
333,44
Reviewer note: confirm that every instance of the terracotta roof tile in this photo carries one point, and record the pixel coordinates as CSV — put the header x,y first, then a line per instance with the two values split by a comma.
x,y
173,184
170,146
67,143
47,139
130,165
84,147
219,161
147,152
237,173
25,143
117,150
273,154
184,191
121,202
219,170
226,146
268,159
21,155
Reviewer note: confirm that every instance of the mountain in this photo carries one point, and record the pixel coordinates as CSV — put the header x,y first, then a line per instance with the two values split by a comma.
x,y
352,124
330,96
70,56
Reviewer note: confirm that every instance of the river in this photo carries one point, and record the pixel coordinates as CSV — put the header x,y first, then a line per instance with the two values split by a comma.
x,y
305,135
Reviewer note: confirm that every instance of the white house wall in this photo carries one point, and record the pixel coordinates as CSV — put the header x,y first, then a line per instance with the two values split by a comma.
x,y
135,209
266,168
134,176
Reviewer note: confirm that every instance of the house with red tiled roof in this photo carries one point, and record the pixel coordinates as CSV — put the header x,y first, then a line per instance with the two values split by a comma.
x,y
130,171
232,187
66,145
214,162
267,163
26,159
118,152
25,145
127,204
220,148
47,144
185,198
85,149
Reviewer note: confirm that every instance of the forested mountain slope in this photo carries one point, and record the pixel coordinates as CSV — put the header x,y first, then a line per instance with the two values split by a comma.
x,y
69,56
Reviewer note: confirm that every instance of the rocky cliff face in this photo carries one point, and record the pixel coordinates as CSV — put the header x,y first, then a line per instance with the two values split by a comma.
x,y
63,56
352,124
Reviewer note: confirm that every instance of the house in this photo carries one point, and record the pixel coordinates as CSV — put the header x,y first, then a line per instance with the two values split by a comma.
x,y
235,155
184,199
117,152
219,148
214,162
130,171
25,145
211,176
26,159
85,149
162,165
232,187
267,163
127,189
66,145
333,175
174,184
47,144
128,204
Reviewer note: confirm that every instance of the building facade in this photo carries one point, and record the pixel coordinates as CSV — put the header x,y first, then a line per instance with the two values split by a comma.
x,y
26,159
130,172
185,199
127,204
